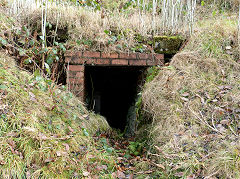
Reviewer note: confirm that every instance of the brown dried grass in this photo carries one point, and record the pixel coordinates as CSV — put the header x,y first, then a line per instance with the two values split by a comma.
x,y
87,25
194,104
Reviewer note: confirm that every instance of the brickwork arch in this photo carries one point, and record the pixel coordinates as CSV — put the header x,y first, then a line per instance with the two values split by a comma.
x,y
76,62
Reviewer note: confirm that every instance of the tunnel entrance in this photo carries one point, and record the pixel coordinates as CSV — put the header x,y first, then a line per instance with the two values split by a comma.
x,y
112,90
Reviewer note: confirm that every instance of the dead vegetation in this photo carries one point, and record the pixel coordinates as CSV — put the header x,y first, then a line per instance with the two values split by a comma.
x,y
102,30
95,30
195,105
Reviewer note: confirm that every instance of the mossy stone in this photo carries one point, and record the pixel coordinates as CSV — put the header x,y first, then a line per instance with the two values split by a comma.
x,y
167,44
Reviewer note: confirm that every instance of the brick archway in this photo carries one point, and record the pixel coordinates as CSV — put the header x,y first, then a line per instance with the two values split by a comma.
x,y
76,62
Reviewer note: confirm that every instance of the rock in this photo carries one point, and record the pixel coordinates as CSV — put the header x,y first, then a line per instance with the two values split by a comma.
x,y
228,47
167,44
131,121
224,122
85,173
229,52
131,126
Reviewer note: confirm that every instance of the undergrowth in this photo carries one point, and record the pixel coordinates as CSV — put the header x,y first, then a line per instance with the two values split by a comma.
x,y
45,131
194,105
103,29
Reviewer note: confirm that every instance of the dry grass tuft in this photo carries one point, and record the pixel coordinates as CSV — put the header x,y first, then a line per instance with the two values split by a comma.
x,y
87,27
194,104
6,23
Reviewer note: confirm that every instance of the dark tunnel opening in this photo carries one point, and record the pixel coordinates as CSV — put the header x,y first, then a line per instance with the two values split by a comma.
x,y
110,91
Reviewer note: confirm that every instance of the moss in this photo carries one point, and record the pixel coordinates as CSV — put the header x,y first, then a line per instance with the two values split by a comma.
x,y
167,44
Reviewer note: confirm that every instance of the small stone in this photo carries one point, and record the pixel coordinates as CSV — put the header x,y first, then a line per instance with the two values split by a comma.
x,y
228,47
229,52
224,122
185,94
185,99
86,173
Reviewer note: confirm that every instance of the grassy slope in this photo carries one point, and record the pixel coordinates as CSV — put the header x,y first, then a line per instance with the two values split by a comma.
x,y
195,105
44,130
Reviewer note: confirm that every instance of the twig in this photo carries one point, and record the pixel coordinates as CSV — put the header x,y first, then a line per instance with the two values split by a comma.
x,y
239,26
232,130
213,121
55,34
203,121
44,21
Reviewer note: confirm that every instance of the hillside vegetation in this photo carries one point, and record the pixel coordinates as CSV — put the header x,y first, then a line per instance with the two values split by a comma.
x,y
194,103
44,130
190,108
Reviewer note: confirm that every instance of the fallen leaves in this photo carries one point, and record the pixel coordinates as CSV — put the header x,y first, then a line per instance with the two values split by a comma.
x,y
66,146
61,153
70,129
32,96
179,174
225,122
160,166
48,160
118,174
13,149
102,167
42,136
2,162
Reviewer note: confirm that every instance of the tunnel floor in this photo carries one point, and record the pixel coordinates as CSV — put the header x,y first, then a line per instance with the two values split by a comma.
x,y
110,91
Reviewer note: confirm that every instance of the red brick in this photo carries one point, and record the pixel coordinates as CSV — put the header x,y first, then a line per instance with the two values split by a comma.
x,y
159,56
90,61
143,56
73,87
92,54
77,60
80,95
72,74
76,80
81,60
137,62
67,59
109,55
127,56
120,62
151,62
160,62
151,56
68,53
103,61
76,68
79,75
78,91
76,86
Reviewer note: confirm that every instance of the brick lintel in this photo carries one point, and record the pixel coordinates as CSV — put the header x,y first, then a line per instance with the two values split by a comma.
x,y
106,59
